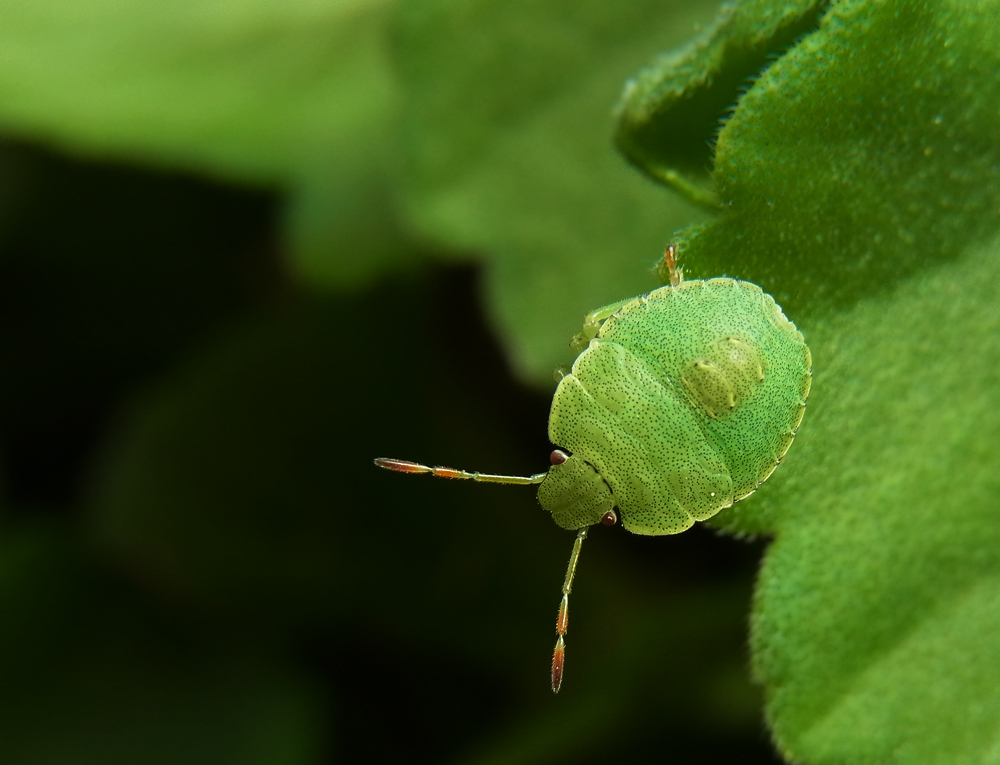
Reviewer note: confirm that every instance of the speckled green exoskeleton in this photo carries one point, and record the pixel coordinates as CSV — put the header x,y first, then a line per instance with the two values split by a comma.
x,y
680,403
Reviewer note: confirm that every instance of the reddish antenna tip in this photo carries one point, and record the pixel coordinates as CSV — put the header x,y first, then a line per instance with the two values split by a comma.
x,y
558,658
400,466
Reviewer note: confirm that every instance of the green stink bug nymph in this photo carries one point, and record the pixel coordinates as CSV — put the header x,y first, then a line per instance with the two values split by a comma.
x,y
680,403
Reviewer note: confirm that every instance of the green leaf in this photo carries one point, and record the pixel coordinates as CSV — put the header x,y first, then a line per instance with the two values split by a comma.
x,y
507,137
295,94
867,152
860,181
877,612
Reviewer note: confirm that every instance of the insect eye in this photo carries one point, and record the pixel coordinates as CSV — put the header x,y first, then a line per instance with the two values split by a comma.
x,y
609,518
558,457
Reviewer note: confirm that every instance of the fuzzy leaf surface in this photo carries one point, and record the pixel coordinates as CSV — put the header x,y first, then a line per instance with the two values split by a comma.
x,y
859,179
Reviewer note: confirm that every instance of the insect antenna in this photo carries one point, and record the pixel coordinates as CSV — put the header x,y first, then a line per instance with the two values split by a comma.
x,y
562,617
402,466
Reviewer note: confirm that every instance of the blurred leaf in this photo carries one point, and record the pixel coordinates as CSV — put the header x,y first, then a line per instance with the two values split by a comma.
x,y
244,483
106,274
627,690
89,676
860,176
343,225
507,137
297,94
242,488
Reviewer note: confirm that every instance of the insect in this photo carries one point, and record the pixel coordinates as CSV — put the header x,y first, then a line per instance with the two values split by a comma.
x,y
680,403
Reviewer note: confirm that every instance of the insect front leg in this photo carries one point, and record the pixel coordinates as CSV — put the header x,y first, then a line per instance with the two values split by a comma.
x,y
592,324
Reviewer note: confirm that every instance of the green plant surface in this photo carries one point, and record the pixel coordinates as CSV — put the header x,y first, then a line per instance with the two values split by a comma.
x,y
876,611
671,112
866,153
860,182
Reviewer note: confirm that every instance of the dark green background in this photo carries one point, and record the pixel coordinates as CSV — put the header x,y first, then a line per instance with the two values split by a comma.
x,y
201,564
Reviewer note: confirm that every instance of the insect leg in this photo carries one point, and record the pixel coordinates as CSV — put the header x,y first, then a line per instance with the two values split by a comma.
x,y
402,466
592,324
562,618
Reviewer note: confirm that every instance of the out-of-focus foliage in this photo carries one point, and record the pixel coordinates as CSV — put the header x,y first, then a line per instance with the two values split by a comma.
x,y
860,182
506,125
195,477
197,559
298,94
217,571
91,676
486,122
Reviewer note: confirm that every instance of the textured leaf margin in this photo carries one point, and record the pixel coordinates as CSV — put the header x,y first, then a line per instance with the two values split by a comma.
x,y
860,182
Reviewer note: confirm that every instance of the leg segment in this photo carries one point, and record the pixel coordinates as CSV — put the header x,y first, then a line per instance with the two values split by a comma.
x,y
592,323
